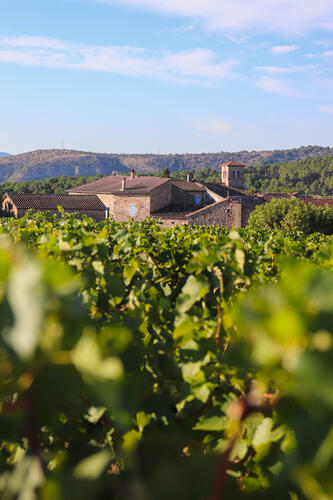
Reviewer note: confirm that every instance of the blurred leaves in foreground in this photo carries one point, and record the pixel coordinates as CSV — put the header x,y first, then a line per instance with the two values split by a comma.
x,y
143,363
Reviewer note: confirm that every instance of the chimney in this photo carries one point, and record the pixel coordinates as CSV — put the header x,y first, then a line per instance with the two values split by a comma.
x,y
188,178
132,174
123,184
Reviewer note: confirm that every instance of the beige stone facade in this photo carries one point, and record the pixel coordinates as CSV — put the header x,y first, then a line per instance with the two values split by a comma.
x,y
233,174
131,207
160,197
226,213
190,200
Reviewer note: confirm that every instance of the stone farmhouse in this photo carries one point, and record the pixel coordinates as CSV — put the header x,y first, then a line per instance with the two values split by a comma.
x,y
175,202
171,202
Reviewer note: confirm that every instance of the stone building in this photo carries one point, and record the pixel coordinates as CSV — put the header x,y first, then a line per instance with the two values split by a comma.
x,y
171,202
17,204
176,202
232,174
140,197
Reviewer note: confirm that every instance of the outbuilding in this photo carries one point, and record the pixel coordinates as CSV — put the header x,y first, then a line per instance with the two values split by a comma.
x,y
17,204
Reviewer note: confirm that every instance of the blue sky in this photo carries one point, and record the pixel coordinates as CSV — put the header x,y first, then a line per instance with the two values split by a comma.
x,y
166,76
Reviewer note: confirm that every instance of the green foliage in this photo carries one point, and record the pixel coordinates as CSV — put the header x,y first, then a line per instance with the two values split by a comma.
x,y
166,172
309,176
141,362
292,215
202,175
52,185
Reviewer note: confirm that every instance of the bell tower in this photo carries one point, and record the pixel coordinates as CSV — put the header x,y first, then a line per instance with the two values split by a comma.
x,y
232,174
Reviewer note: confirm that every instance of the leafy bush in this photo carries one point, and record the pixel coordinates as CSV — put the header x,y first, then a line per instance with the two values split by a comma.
x,y
292,215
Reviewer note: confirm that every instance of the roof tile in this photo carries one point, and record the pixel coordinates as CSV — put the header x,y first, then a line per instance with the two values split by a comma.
x,y
139,186
52,201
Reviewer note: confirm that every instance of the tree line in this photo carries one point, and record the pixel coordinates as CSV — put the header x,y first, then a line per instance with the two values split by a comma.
x,y
312,176
52,185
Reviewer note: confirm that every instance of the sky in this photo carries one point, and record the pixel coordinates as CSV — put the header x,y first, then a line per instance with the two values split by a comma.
x,y
165,76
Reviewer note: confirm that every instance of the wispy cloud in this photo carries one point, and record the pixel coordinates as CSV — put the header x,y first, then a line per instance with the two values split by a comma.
x,y
193,66
212,125
272,85
265,16
284,49
288,69
328,110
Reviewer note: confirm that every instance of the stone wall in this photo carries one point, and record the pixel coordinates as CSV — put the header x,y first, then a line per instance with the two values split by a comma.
x,y
7,206
187,198
108,200
160,197
227,214
123,204
233,176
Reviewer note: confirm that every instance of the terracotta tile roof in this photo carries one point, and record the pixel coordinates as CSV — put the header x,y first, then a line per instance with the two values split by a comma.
x,y
318,202
112,184
52,201
189,186
233,164
275,196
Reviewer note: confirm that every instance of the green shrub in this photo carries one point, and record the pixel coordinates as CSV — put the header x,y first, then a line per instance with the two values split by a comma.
x,y
292,215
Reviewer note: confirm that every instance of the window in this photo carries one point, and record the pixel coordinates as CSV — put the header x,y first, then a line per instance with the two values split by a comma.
x,y
224,174
198,200
234,174
132,210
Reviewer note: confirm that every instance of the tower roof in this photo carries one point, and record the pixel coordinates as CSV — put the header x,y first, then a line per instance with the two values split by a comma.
x,y
233,164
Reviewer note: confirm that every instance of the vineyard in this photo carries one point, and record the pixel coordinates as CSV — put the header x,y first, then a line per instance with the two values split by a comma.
x,y
141,363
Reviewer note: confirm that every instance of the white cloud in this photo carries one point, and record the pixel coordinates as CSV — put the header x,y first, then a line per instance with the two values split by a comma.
x,y
34,41
284,49
290,16
287,69
328,110
212,125
198,65
272,85
328,53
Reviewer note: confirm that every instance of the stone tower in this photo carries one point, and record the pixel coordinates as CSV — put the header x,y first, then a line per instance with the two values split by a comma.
x,y
233,174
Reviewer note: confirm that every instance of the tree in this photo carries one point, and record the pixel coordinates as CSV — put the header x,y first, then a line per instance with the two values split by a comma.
x,y
292,215
166,172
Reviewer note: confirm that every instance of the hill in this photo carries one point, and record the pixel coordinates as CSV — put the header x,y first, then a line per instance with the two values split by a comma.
x,y
51,163
312,177
4,155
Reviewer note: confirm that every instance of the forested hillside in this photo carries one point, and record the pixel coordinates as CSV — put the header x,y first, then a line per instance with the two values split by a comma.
x,y
312,176
51,163
52,185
